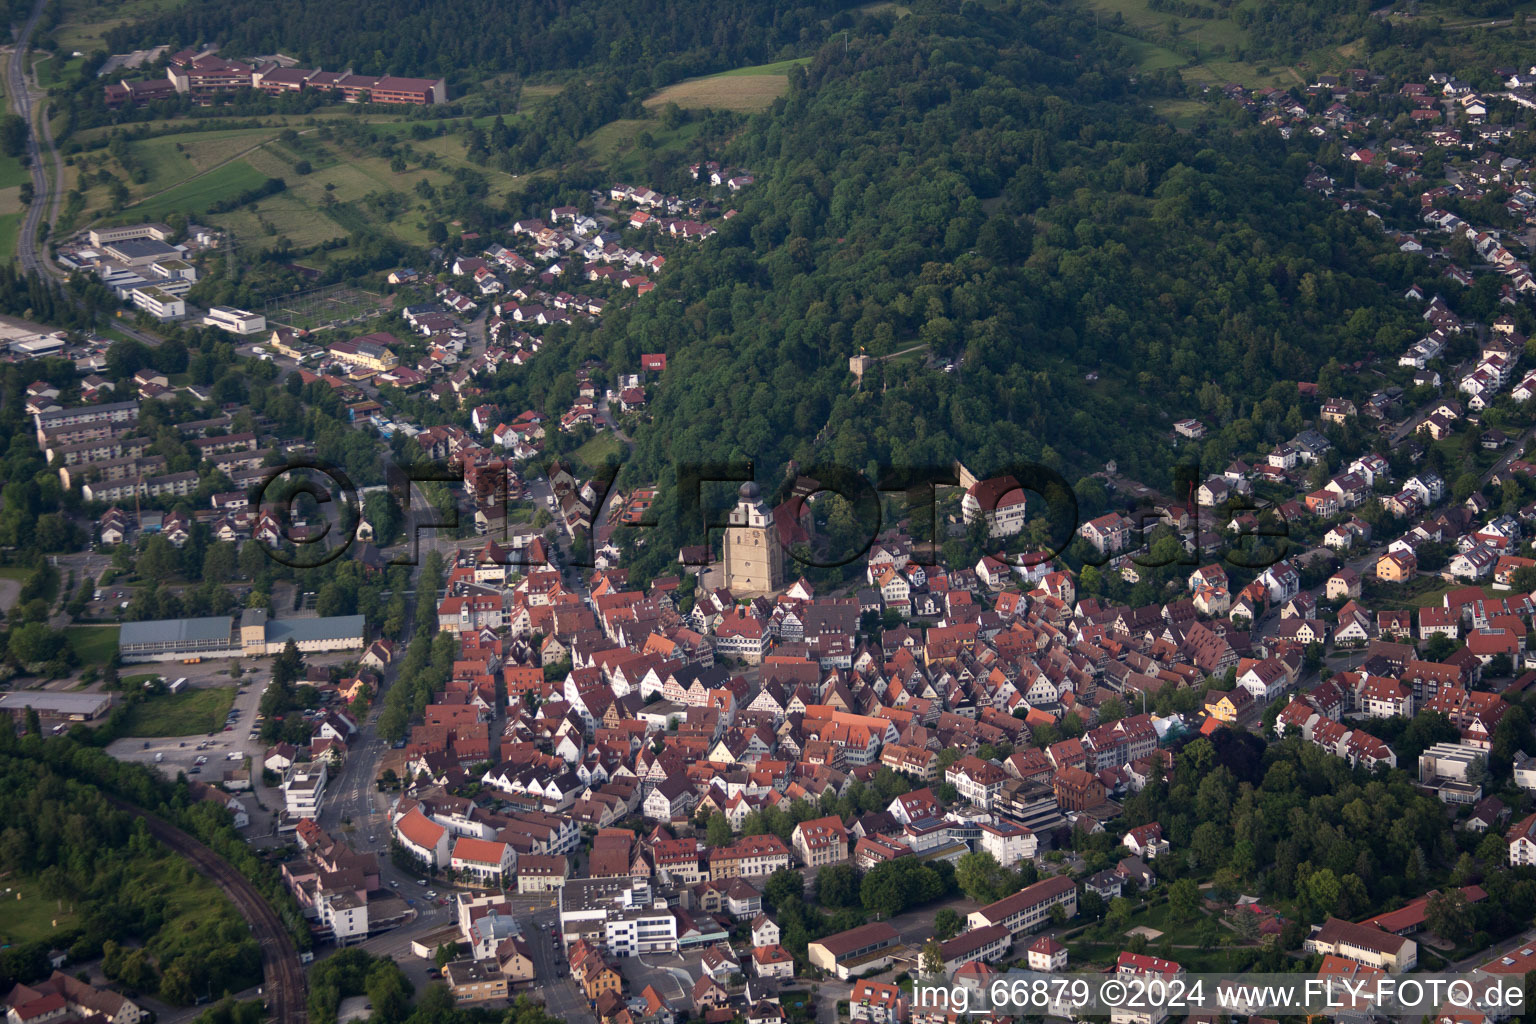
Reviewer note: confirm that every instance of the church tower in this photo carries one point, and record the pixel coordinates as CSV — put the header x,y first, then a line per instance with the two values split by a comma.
x,y
754,559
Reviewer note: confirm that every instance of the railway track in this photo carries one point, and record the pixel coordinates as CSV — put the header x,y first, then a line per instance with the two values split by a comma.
x,y
284,977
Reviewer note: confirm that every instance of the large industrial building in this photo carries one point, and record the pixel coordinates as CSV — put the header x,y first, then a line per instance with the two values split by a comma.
x,y
219,636
54,707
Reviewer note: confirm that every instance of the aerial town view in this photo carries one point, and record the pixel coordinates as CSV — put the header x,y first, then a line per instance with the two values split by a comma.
x,y
799,512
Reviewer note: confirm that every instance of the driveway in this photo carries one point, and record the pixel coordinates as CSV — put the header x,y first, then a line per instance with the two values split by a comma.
x,y
667,973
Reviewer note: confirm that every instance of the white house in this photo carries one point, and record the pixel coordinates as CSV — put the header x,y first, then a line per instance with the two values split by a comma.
x,y
765,931
484,860
1007,842
1146,841
423,838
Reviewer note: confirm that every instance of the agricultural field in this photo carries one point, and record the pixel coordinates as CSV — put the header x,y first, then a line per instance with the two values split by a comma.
x,y
748,89
188,171
1204,50
196,194
181,714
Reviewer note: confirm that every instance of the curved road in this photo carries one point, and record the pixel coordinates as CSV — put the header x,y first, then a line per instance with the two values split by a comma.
x,y
286,998
44,199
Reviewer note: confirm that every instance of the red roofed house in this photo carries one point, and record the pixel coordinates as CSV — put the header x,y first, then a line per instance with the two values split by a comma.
x,y
821,841
1000,501
484,860
876,1002
1146,841
1046,954
423,838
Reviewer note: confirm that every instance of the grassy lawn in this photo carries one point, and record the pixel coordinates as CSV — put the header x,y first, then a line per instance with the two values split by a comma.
x,y
173,158
1439,588
1138,14
616,145
32,917
1149,56
1423,592
19,573
777,68
594,452
12,173
85,23
94,644
1182,114
182,714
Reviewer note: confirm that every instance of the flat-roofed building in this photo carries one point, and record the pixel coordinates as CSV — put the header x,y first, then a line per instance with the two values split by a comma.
x,y
102,237
475,981
218,637
169,639
304,789
159,303
235,321
140,252
70,707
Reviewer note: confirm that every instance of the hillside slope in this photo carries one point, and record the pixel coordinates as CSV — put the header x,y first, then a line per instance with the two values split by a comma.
x,y
990,185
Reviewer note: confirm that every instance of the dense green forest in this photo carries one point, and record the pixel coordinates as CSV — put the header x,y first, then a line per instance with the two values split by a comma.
x,y
977,185
987,183
159,926
57,824
1295,824
659,41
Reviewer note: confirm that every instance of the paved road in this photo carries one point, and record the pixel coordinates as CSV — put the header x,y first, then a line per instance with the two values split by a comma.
x,y
561,997
608,421
46,196
39,141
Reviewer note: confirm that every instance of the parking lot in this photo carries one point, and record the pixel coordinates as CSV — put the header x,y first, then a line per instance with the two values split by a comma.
x,y
174,754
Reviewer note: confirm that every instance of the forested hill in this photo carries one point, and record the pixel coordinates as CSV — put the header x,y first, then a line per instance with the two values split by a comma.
x,y
985,181
659,41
